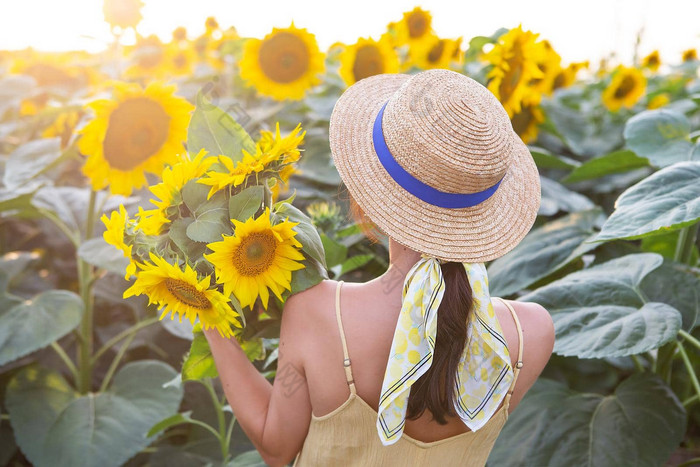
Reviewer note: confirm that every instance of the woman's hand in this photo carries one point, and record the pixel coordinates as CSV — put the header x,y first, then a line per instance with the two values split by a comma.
x,y
275,417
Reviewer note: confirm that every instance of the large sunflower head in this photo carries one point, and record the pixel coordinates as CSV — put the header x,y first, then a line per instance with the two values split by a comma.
x,y
138,131
526,121
415,26
168,192
182,293
367,57
284,64
259,257
625,89
514,58
550,66
435,52
116,225
567,76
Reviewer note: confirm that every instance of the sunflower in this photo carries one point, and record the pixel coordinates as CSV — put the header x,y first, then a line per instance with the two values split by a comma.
x,y
659,100
550,66
139,131
515,57
367,57
652,61
179,34
271,151
122,13
180,59
149,58
567,76
435,52
526,121
257,257
415,27
690,55
284,64
181,292
62,127
116,225
625,89
168,191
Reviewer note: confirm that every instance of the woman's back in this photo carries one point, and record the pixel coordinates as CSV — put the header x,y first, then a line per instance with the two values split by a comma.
x,y
343,425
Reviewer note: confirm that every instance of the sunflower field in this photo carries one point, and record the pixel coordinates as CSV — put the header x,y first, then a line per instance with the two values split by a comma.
x,y
192,178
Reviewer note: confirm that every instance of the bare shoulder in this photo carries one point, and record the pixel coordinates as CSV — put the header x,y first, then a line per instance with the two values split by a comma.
x,y
304,306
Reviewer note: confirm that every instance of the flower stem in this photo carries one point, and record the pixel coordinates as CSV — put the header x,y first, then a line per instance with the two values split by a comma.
x,y
66,360
115,363
223,442
689,366
122,335
85,273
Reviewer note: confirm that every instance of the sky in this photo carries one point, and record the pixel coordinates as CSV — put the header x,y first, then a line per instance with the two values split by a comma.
x,y
579,30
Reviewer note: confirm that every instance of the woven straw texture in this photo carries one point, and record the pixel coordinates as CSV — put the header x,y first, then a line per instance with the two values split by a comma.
x,y
451,133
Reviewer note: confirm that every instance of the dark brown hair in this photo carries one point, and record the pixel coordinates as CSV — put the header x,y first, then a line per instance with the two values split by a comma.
x,y
436,389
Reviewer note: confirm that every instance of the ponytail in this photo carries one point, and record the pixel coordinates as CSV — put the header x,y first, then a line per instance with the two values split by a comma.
x,y
435,390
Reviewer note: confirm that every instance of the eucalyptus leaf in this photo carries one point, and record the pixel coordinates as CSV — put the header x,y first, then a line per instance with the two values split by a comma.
x,y
666,200
217,132
26,326
307,234
30,160
661,135
641,424
211,218
601,312
54,426
615,162
543,251
246,203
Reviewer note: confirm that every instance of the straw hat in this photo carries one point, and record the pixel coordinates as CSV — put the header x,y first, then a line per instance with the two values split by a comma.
x,y
440,137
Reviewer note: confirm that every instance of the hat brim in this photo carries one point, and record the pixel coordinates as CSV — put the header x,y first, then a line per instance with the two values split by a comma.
x,y
475,234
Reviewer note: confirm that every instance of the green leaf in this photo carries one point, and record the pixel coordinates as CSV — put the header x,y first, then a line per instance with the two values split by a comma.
x,y
313,273
99,253
217,132
556,197
666,200
352,263
336,253
246,203
546,160
677,285
615,162
211,219
307,234
168,422
253,349
199,362
178,234
54,426
30,160
26,326
641,424
661,135
543,251
600,312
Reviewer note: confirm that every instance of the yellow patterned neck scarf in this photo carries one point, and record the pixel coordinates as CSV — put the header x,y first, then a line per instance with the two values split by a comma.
x,y
484,373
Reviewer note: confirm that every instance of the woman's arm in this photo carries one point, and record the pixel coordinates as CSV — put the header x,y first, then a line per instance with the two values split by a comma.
x,y
275,417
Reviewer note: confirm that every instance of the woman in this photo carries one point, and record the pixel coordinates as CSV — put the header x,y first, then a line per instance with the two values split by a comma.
x,y
418,366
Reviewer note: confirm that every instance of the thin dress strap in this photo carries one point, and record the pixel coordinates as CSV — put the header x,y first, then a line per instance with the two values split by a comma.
x,y
519,363
346,361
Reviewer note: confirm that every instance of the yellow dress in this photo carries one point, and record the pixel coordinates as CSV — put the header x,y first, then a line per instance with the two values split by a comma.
x,y
348,435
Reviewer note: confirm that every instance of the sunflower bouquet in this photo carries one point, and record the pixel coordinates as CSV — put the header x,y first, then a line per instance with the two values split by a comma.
x,y
215,246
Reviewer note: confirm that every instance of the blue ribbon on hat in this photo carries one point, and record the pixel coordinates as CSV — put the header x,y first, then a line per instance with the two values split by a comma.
x,y
414,186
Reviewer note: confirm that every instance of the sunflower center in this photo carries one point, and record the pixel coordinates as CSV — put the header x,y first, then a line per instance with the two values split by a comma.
x,y
368,62
522,120
417,24
625,87
180,61
436,51
187,294
284,57
136,131
255,254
